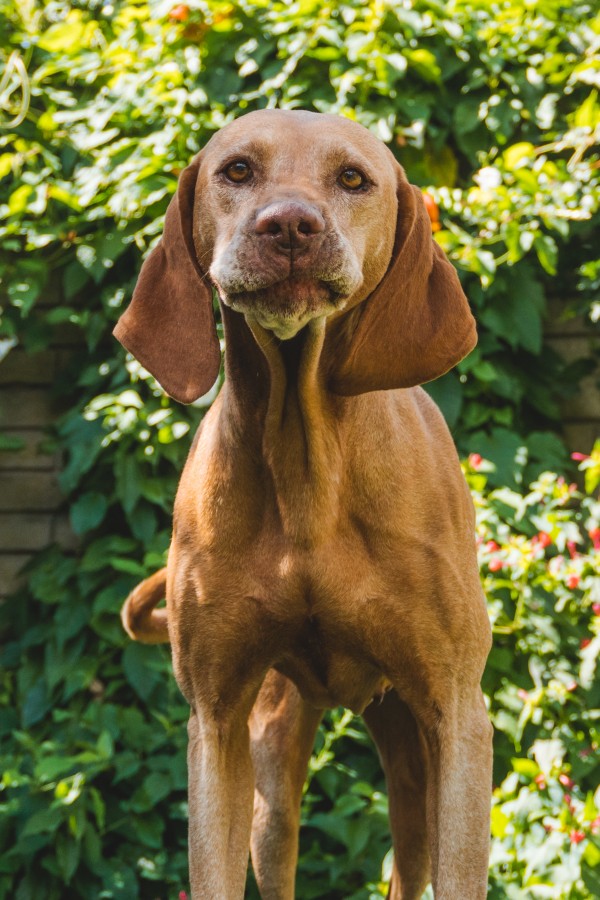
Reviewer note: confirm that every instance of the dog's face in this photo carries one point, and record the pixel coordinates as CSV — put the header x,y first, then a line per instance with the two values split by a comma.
x,y
284,212
295,216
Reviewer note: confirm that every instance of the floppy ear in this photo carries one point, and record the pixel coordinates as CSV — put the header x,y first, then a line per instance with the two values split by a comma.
x,y
417,323
169,325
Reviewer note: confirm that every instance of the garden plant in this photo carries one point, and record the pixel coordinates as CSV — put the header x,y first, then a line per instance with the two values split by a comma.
x,y
493,109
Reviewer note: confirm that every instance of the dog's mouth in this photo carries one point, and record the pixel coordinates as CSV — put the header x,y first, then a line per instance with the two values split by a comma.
x,y
286,306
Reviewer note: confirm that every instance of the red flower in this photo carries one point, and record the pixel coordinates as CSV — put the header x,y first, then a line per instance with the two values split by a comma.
x,y
495,564
572,581
491,546
596,609
594,534
183,895
180,13
542,539
540,780
585,642
577,837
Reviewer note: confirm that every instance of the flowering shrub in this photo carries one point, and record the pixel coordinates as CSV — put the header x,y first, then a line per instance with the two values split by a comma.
x,y
540,564
93,740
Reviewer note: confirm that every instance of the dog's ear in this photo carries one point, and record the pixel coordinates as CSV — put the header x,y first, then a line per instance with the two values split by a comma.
x,y
417,323
169,325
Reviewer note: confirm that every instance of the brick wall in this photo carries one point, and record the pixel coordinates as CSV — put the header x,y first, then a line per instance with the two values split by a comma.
x,y
573,340
30,500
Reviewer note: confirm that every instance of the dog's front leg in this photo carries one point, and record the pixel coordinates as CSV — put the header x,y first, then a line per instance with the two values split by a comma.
x,y
220,794
282,729
458,740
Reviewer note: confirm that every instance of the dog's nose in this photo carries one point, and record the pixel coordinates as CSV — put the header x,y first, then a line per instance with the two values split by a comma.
x,y
290,224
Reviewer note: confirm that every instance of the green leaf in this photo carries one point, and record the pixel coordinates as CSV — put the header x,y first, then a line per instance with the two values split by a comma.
x,y
128,480
19,198
46,820
140,667
547,252
36,705
425,64
68,852
88,511
72,35
447,393
518,154
591,879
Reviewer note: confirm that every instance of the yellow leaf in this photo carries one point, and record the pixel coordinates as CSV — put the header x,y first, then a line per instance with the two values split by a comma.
x,y
517,154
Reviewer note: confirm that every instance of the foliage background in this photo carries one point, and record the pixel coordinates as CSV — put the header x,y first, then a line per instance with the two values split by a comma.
x,y
491,106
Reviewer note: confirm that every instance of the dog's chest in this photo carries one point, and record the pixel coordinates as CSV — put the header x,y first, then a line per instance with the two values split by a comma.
x,y
313,606
316,609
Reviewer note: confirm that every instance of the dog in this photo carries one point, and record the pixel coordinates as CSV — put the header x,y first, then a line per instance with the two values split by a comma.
x,y
323,548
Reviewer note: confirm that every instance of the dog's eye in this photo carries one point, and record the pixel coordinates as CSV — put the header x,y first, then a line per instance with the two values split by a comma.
x,y
238,171
352,179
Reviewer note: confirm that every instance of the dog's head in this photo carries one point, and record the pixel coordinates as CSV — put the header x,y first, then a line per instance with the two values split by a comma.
x,y
292,216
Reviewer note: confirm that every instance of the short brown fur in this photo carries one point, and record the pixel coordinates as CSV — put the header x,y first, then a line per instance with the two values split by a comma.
x,y
323,538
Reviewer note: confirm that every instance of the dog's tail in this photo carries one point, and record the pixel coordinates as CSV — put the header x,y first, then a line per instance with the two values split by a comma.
x,y
140,619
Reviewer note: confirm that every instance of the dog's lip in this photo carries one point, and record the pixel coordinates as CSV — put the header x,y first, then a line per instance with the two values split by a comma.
x,y
334,292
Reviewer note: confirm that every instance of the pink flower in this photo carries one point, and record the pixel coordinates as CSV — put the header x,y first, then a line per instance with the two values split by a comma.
x,y
572,581
566,781
540,780
183,895
572,548
572,686
585,642
596,609
491,546
495,564
523,695
577,837
555,564
475,460
579,457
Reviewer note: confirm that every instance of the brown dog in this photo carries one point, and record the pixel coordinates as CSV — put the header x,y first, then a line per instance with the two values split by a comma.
x,y
323,538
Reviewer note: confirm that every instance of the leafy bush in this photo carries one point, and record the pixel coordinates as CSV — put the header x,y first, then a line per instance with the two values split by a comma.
x,y
540,569
492,108
94,745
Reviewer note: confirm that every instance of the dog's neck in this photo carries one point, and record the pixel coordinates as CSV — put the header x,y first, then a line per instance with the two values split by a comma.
x,y
287,408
